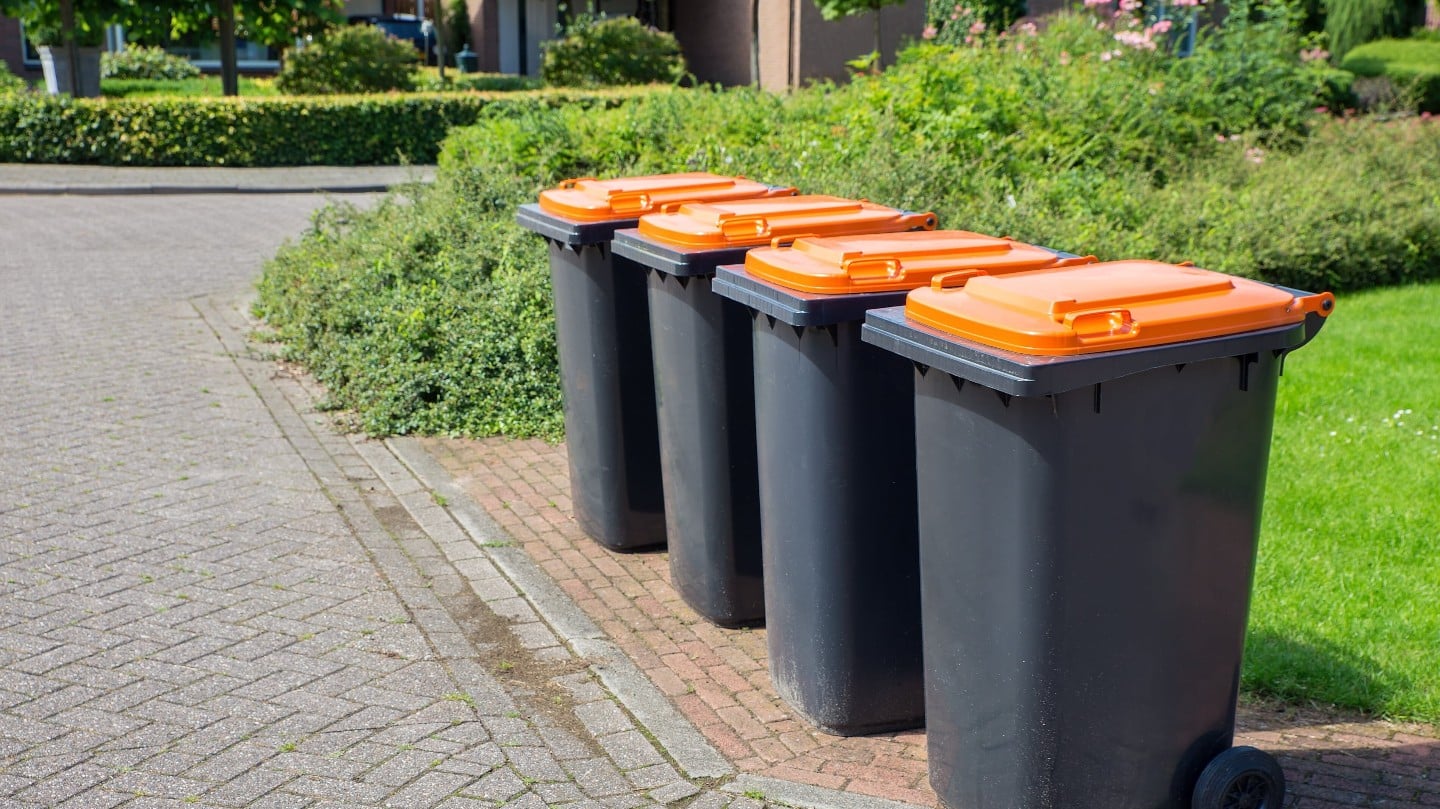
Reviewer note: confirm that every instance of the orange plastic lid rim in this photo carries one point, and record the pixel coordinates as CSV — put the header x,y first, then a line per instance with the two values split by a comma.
x,y
892,262
587,199
1108,306
753,222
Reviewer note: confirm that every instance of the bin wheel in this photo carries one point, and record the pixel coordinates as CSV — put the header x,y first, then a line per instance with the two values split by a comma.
x,y
1240,778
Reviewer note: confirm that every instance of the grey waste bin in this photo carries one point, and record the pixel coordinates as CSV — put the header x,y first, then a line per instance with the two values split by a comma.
x,y
603,335
835,434
704,382
1090,455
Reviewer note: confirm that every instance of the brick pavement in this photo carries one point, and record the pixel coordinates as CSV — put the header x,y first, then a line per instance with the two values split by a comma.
x,y
210,597
718,678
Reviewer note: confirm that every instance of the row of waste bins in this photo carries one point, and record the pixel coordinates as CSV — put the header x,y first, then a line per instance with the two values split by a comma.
x,y
1004,492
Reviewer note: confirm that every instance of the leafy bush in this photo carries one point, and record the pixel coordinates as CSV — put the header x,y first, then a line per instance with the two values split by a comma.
x,y
429,81
1350,23
10,84
606,51
339,131
141,62
198,87
1411,65
350,59
446,328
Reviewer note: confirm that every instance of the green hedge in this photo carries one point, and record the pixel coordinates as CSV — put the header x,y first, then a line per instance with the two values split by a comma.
x,y
286,131
1411,65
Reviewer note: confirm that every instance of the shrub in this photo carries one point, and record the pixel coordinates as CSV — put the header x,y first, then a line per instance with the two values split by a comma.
x,y
607,51
350,59
1412,66
339,131
1350,23
10,84
141,62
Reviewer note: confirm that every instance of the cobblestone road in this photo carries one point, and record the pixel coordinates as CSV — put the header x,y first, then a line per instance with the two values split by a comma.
x,y
210,598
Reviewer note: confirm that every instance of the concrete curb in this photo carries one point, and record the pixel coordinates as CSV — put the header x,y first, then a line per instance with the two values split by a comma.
x,y
139,190
686,745
46,179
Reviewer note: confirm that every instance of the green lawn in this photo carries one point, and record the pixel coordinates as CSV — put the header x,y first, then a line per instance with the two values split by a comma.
x,y
200,86
1347,592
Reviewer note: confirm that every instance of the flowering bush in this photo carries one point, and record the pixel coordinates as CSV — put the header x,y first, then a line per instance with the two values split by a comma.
x,y
956,22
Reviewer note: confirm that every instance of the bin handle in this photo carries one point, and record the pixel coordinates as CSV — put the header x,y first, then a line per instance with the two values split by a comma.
x,y
1106,326
954,280
789,241
1075,261
918,221
745,227
566,185
630,202
1316,307
874,269
671,207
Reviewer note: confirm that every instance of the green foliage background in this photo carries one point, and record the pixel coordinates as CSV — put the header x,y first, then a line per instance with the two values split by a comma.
x,y
600,51
350,59
276,131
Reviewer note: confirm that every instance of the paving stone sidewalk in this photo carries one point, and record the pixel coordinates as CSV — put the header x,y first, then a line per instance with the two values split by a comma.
x,y
210,597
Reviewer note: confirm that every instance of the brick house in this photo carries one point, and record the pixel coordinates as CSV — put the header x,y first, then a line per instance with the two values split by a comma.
x,y
795,44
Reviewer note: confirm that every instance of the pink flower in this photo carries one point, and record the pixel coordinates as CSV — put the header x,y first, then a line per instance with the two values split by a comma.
x,y
1220,138
977,27
1029,29
1255,155
1093,3
1322,110
1135,39
1130,5
929,32
1314,55
1106,56
1064,58
1161,27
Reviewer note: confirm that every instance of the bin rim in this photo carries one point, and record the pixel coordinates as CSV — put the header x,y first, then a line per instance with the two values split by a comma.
x,y
845,264
588,199
758,221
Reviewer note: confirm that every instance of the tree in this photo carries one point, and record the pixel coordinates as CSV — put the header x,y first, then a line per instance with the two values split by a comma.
x,y
836,9
275,23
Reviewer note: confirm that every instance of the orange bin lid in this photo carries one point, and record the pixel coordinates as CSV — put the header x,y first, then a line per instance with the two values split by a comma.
x,y
740,223
590,200
889,262
1105,307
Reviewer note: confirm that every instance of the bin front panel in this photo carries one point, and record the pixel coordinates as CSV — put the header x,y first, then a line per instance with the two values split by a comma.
x,y
751,222
1086,561
893,261
592,200
603,339
706,412
836,432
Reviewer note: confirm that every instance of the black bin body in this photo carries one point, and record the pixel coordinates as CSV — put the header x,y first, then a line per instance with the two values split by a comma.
x,y
603,336
1088,531
835,433
706,412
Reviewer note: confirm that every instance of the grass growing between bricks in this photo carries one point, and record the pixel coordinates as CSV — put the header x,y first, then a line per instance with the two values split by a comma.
x,y
1347,586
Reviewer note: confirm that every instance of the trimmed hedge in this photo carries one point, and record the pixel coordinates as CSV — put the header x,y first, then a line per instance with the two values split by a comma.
x,y
335,131
1411,65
